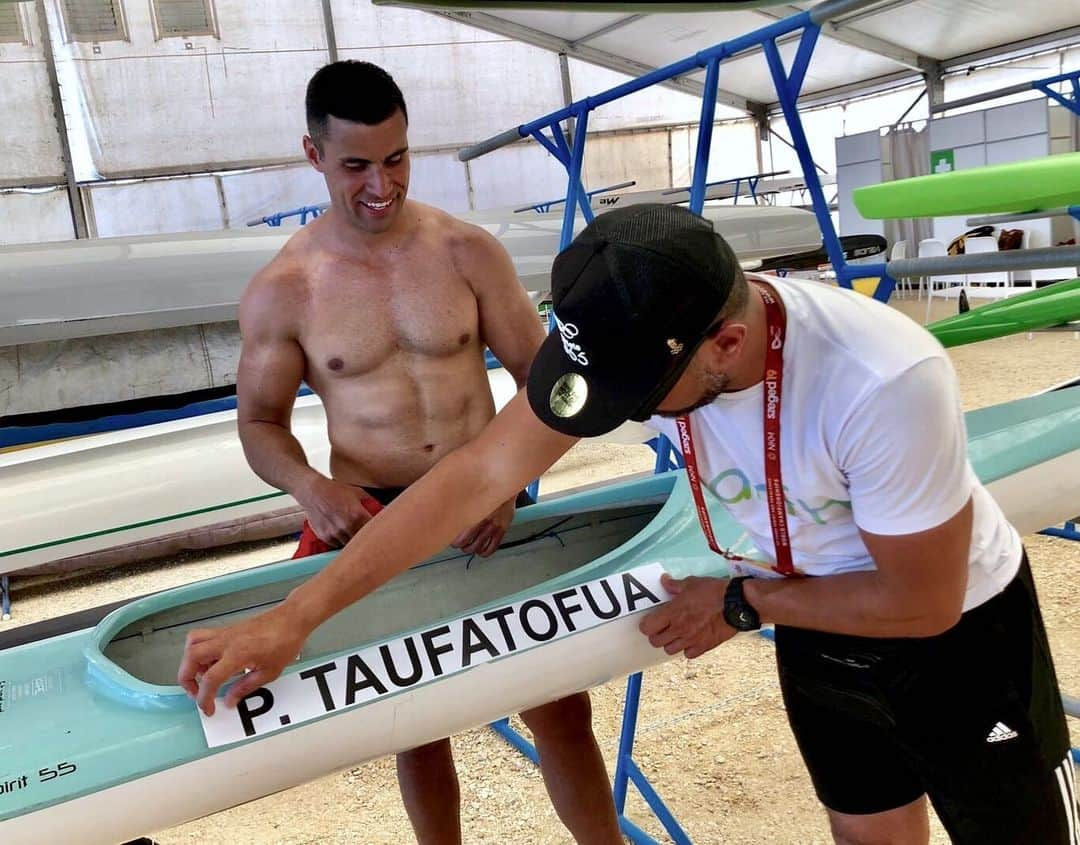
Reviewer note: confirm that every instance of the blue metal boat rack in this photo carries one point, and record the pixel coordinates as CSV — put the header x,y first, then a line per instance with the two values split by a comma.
x,y
304,212
1069,101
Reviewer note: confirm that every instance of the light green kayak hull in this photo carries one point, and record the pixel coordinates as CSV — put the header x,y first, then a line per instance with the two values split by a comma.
x,y
1040,309
1041,183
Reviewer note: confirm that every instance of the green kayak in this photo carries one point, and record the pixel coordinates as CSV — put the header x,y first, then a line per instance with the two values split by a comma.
x,y
1041,183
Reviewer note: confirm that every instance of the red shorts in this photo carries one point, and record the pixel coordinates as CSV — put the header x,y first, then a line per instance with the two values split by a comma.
x,y
311,544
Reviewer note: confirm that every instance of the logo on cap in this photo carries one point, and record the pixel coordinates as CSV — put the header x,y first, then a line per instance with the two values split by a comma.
x,y
675,346
568,395
568,331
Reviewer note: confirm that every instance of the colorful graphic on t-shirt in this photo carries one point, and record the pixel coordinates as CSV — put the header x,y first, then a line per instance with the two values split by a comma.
x,y
733,486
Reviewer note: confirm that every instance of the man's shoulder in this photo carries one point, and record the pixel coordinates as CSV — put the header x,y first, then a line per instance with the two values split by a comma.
x,y
856,332
456,233
277,291
284,277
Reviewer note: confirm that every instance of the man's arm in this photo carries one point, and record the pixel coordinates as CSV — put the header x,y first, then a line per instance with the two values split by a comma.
x,y
917,589
271,369
462,488
910,493
509,324
269,374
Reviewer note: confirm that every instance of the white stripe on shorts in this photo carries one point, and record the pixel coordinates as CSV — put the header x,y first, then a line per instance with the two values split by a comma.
x,y
1067,785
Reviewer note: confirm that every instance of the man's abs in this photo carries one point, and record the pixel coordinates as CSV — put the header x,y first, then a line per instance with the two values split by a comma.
x,y
389,431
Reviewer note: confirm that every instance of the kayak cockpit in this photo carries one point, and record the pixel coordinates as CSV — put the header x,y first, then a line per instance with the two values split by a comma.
x,y
141,645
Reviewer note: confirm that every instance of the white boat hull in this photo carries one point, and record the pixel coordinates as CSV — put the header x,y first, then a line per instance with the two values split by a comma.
x,y
1041,495
106,491
162,281
288,758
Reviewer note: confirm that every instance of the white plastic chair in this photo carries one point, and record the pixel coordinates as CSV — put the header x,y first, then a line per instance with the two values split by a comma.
x,y
899,251
933,248
973,246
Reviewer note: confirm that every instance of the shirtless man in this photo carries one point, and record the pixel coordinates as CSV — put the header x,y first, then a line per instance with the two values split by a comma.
x,y
383,306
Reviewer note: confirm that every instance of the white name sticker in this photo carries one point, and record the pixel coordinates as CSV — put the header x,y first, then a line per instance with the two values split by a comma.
x,y
380,670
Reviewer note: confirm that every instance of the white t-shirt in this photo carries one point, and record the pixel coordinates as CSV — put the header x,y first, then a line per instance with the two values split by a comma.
x,y
872,436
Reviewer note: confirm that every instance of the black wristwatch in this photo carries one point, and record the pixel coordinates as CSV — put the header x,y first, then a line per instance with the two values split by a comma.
x,y
738,612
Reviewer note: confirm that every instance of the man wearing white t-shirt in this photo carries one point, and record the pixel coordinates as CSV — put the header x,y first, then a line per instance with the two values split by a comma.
x,y
910,646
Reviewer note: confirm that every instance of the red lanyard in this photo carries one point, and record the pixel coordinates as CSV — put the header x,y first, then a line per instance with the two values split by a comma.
x,y
775,326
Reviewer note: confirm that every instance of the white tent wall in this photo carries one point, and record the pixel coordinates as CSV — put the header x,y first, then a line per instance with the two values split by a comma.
x,y
440,180
866,113
733,152
460,84
197,102
652,106
254,194
29,127
156,206
682,156
34,216
515,176
201,103
1007,74
822,127
641,157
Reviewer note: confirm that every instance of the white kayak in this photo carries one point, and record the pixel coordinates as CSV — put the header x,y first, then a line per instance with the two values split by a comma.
x,y
69,501
105,286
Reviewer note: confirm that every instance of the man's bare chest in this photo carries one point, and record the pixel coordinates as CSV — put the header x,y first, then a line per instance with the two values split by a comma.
x,y
351,329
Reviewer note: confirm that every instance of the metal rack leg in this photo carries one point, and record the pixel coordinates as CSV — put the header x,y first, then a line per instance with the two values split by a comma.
x,y
626,771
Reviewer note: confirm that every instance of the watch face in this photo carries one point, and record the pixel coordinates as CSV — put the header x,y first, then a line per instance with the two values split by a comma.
x,y
741,618
738,613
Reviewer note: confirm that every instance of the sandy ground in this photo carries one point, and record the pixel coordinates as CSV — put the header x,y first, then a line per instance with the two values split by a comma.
x,y
712,736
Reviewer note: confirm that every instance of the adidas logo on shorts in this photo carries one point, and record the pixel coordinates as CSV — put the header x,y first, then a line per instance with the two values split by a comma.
x,y
1001,732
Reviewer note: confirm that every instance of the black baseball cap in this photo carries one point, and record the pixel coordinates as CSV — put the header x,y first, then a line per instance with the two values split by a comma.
x,y
634,296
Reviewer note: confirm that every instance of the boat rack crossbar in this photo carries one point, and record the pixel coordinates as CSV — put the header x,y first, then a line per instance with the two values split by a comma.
x,y
980,262
993,219
1071,101
303,213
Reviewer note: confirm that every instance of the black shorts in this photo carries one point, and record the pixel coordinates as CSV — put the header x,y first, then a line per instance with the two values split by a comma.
x,y
385,495
972,718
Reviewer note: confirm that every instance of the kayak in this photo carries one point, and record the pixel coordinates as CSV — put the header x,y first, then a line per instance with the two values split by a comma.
x,y
1032,185
154,490
95,736
1027,312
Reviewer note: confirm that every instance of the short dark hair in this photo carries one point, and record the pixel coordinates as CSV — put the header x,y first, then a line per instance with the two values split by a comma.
x,y
358,92
738,296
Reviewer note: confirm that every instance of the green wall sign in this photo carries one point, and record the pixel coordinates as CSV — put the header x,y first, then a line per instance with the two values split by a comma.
x,y
942,161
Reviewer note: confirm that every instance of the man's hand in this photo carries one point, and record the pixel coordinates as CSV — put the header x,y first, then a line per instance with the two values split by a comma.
x,y
336,511
484,538
262,645
692,622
